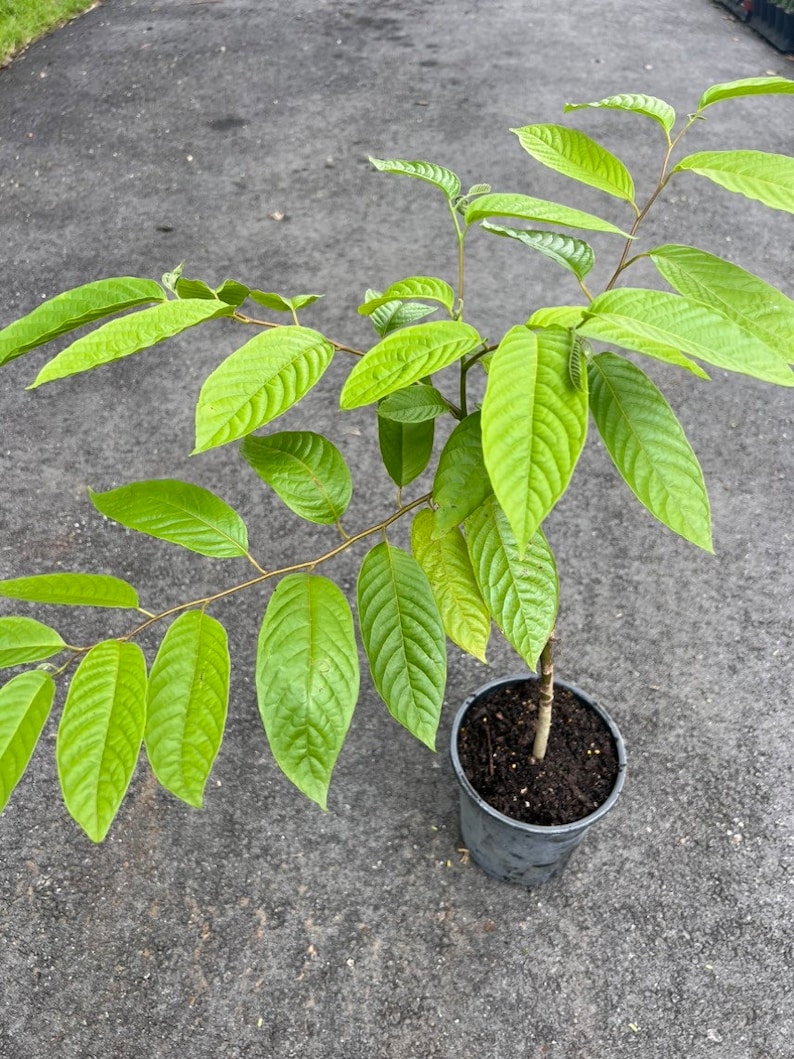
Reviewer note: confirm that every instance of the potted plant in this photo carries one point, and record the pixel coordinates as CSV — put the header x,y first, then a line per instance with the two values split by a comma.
x,y
496,428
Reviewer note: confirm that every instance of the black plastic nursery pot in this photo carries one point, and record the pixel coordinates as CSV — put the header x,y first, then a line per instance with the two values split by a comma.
x,y
508,849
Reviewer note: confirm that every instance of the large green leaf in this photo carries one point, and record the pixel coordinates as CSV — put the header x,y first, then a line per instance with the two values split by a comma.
x,y
26,640
307,679
403,637
405,357
100,733
524,208
534,422
575,155
636,103
305,470
437,175
445,560
575,255
186,703
427,287
414,404
461,482
768,178
258,382
649,447
25,704
73,309
405,448
521,592
746,86
659,324
71,590
179,512
130,334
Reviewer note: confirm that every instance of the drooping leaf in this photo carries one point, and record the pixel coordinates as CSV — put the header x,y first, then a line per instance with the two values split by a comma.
x,y
305,470
74,308
445,560
746,86
258,382
193,288
232,292
575,155
767,178
26,640
525,208
125,335
393,315
25,704
100,733
307,679
72,590
636,103
403,637
427,287
405,448
461,481
186,703
281,304
649,447
437,175
575,255
521,592
414,404
179,512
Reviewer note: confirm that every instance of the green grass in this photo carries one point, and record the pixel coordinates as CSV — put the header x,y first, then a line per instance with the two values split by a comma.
x,y
23,21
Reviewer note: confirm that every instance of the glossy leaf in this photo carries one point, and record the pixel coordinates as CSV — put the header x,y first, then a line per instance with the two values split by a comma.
x,y
305,470
72,590
635,103
258,382
461,482
25,704
575,155
437,175
767,178
307,679
403,637
186,703
557,316
572,254
100,734
26,640
414,404
649,447
281,304
395,314
179,512
524,208
427,287
405,448
746,86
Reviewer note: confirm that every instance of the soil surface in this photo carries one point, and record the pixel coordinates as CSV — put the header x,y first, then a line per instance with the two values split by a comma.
x,y
576,775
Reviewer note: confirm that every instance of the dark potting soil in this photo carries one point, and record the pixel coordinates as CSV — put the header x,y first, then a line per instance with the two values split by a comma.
x,y
495,749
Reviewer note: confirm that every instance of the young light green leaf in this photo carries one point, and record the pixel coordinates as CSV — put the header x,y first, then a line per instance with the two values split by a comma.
x,y
405,448
74,308
461,482
186,703
100,733
428,287
393,315
72,590
427,171
659,324
746,86
445,560
521,593
636,103
232,292
25,704
281,304
129,334
403,637
767,178
405,357
649,447
179,512
534,423
305,470
557,315
26,640
307,679
575,155
414,404
170,279
572,254
259,382
524,208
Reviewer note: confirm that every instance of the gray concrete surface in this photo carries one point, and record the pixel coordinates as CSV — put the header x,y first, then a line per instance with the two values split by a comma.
x,y
149,132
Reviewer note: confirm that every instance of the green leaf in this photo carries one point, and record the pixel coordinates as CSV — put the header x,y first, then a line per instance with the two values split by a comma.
x,y
756,306
25,704
186,703
403,637
72,590
437,175
461,481
414,404
73,309
405,448
405,357
649,447
636,103
660,324
445,560
575,155
281,304
305,470
307,679
259,382
428,287
747,86
26,640
389,317
572,254
524,208
100,734
179,512
521,592
129,334
193,288
557,315
170,279
534,422
232,292
767,178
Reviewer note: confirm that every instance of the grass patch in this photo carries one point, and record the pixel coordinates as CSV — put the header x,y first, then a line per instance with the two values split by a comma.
x,y
23,21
